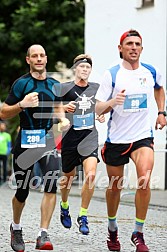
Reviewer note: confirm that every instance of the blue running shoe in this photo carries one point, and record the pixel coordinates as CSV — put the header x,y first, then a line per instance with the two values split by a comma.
x,y
82,223
65,217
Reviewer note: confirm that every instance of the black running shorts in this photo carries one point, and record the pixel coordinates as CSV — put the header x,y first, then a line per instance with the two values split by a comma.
x,y
72,158
119,154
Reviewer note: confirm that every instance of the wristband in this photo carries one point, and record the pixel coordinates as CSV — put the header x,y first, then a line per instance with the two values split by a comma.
x,y
162,113
19,105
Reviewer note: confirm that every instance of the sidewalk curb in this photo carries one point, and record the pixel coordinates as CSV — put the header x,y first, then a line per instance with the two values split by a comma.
x,y
158,197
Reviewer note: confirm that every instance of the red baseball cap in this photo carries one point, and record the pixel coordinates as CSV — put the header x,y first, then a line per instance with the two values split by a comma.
x,y
129,34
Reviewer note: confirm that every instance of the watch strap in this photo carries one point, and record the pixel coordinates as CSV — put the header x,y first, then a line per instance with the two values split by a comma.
x,y
162,113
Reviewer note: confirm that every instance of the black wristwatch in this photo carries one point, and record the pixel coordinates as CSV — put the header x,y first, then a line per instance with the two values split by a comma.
x,y
162,113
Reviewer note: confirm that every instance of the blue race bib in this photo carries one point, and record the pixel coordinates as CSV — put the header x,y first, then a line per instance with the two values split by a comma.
x,y
135,103
85,121
33,138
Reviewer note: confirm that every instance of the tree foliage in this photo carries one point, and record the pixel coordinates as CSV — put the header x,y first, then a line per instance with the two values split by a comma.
x,y
57,25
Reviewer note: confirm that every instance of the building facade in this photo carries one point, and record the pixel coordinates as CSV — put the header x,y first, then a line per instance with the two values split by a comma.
x,y
105,22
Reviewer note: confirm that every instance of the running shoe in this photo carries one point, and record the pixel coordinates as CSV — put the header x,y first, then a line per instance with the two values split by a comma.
x,y
113,241
82,223
137,240
43,242
17,242
65,217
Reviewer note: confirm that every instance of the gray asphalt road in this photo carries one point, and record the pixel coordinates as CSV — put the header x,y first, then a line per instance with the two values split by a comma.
x,y
71,240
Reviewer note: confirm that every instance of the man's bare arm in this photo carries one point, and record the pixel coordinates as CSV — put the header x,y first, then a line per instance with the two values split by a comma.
x,y
105,107
9,111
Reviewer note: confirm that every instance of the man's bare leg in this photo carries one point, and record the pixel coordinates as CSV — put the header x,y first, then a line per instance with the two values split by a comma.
x,y
47,208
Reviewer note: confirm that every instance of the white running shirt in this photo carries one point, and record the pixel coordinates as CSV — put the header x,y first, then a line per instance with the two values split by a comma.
x,y
129,122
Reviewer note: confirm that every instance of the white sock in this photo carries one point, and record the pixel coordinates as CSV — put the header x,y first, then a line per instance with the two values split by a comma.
x,y
16,226
112,224
42,229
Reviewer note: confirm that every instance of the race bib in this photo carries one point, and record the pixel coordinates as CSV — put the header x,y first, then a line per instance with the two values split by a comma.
x,y
33,138
135,103
85,121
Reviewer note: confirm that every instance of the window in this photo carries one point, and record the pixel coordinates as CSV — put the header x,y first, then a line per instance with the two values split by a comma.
x,y
139,4
147,3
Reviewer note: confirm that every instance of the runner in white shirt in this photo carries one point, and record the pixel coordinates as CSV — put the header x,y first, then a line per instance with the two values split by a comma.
x,y
127,91
139,89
